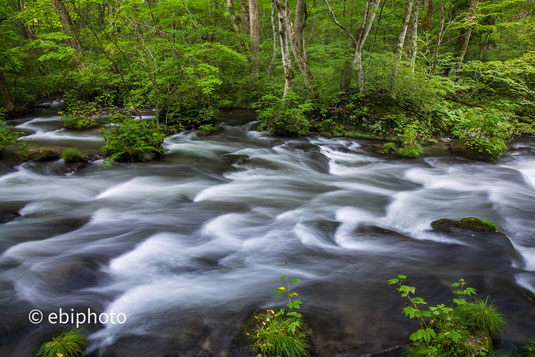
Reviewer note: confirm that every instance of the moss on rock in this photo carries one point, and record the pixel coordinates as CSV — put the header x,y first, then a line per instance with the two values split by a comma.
x,y
468,223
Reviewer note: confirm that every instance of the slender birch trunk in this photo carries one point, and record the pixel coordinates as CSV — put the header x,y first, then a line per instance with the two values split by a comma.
x,y
362,35
232,15
254,36
414,37
275,29
468,34
439,39
284,29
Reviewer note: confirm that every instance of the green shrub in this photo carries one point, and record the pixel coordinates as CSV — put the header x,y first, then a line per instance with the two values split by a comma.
x,y
281,333
7,135
484,131
127,139
529,348
285,117
464,329
80,121
68,344
411,147
208,129
72,155
80,115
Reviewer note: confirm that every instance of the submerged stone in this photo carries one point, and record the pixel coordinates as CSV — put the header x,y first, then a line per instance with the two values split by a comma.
x,y
467,223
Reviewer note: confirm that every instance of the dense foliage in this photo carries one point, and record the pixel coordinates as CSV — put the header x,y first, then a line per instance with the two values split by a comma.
x,y
130,139
465,328
404,70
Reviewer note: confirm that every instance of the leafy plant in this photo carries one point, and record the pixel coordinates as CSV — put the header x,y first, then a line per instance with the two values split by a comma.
x,y
281,333
484,131
68,344
411,147
286,116
463,329
72,155
529,348
208,129
128,139
7,135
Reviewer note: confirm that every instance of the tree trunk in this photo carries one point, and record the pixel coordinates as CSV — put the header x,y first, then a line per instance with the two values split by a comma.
x,y
232,16
296,39
362,34
284,29
427,24
414,37
468,34
275,36
4,90
403,31
67,25
254,32
347,73
245,14
439,39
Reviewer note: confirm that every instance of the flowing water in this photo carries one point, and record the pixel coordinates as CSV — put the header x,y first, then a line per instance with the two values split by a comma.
x,y
186,247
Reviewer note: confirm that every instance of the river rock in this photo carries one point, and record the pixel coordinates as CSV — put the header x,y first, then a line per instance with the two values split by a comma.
x,y
93,157
235,159
459,148
467,223
45,154
8,216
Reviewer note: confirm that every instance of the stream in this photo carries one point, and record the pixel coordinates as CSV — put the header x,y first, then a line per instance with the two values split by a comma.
x,y
188,246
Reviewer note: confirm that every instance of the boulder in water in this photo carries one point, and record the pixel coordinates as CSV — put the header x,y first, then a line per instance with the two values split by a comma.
x,y
468,224
459,148
8,216
45,154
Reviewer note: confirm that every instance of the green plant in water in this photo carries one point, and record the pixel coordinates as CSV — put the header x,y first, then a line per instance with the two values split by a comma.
x,y
484,131
463,329
410,138
72,155
208,129
128,139
68,344
281,333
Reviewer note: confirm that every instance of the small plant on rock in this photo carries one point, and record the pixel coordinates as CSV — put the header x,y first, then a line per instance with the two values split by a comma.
x,y
281,333
72,155
463,329
68,344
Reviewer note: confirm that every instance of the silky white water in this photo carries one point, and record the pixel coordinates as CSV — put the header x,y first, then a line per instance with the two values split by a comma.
x,y
189,245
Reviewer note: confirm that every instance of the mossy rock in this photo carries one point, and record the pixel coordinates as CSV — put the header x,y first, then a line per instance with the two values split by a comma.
x,y
208,129
459,148
468,223
45,154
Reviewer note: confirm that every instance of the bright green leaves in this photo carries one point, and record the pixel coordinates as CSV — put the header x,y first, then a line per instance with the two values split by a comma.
x,y
423,334
464,329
